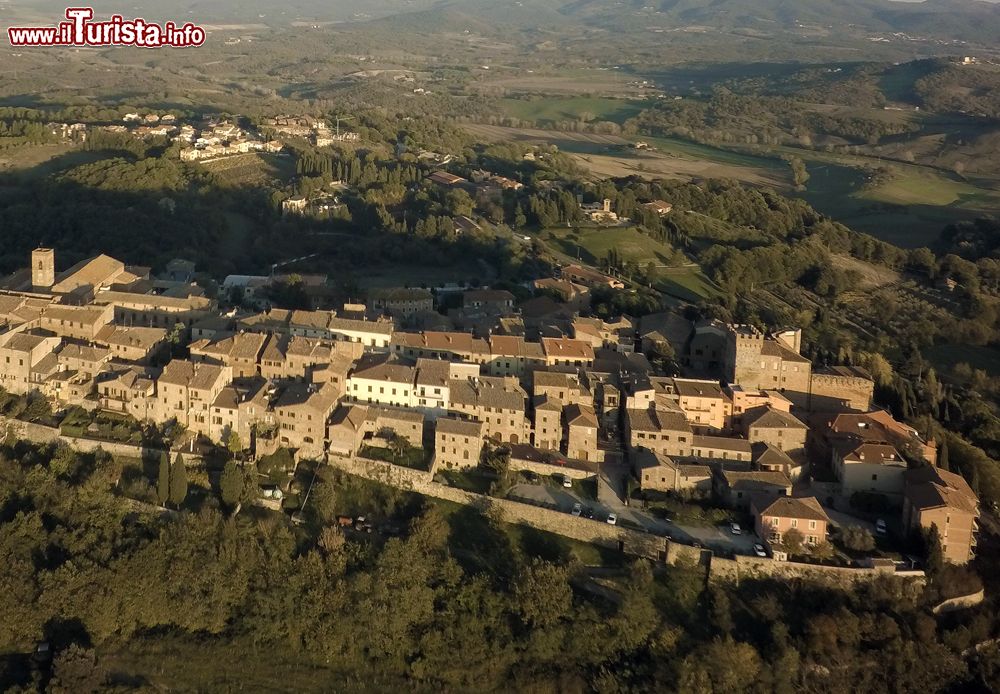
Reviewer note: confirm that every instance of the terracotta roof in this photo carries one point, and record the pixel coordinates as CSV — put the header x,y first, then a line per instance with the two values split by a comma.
x,y
931,487
392,372
84,353
395,414
459,427
689,387
350,416
805,508
154,301
770,418
93,272
200,376
433,372
658,420
501,393
767,455
874,453
566,348
301,395
757,479
131,337
725,443
581,416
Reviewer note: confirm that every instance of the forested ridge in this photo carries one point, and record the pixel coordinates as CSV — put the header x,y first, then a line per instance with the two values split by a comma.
x,y
451,604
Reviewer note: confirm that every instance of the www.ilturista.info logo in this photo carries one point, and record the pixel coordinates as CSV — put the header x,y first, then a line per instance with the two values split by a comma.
x,y
80,30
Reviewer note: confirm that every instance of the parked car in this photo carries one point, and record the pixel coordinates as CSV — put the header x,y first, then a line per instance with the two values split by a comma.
x,y
880,527
735,529
759,550
577,509
567,482
612,519
588,513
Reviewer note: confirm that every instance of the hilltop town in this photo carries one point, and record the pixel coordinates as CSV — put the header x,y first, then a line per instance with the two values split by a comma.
x,y
746,423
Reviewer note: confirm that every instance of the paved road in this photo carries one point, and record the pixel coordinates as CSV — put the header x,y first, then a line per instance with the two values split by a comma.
x,y
562,499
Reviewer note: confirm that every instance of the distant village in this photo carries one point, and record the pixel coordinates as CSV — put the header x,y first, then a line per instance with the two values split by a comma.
x,y
215,137
749,423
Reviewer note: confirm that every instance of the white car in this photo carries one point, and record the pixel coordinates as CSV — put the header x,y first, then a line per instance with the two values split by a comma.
x,y
577,509
880,527
735,529
612,519
567,482
759,550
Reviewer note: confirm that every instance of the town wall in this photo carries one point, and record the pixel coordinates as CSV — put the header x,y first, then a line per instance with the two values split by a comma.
x,y
629,541
831,393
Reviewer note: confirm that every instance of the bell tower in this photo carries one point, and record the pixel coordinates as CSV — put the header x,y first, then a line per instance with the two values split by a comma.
x,y
43,268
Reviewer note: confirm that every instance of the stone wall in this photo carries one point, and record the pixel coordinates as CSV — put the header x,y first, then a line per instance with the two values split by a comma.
x,y
581,529
546,469
831,393
962,602
38,433
631,542
744,567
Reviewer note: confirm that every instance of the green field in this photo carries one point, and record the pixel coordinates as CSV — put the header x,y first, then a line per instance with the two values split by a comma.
x,y
552,110
695,151
688,283
592,245
909,210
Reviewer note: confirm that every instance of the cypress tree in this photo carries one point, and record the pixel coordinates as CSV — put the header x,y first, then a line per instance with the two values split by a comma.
x,y
163,481
943,456
178,482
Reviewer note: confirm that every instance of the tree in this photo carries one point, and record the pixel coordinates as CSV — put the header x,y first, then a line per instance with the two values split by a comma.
x,y
933,550
234,443
542,594
178,481
76,669
163,481
942,460
720,614
231,484
857,539
792,540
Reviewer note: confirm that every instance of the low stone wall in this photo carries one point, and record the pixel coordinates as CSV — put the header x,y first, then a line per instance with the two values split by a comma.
x,y
744,567
962,602
581,529
38,433
545,469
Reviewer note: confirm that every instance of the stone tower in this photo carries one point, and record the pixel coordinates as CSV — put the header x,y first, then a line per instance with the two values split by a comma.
x,y
43,268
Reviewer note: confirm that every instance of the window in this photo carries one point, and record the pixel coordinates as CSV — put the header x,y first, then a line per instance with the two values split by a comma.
x,y
795,522
774,522
812,525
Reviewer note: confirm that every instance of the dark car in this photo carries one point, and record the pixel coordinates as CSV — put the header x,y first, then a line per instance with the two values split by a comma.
x,y
588,513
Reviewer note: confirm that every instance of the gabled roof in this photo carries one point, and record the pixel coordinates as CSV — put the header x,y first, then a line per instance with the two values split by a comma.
x,y
200,376
566,348
770,418
930,487
459,427
581,416
805,508
755,480
765,454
